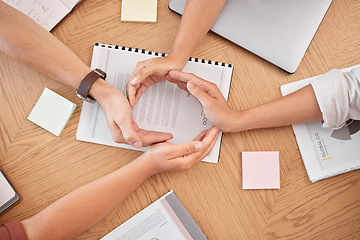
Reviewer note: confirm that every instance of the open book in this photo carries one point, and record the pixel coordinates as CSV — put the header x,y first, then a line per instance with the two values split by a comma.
x,y
163,107
326,152
47,13
8,195
166,218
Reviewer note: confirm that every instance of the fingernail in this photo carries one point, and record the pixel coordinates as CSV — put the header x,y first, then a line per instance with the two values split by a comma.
x,y
198,146
134,81
137,145
189,85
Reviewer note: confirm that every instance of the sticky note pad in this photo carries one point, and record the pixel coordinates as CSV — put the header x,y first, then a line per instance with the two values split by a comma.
x,y
139,10
52,112
260,170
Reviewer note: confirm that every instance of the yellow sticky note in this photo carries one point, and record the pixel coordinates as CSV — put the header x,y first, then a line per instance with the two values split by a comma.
x,y
139,10
52,112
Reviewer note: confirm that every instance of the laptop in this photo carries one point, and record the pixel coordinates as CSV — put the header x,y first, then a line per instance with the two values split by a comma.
x,y
279,31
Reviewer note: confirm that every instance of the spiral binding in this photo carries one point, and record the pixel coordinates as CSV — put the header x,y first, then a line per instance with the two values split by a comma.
x,y
143,51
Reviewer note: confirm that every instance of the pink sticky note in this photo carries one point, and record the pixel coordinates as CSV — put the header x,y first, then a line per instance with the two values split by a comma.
x,y
260,170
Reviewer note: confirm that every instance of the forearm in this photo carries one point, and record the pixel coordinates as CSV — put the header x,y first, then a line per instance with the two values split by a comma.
x,y
86,206
26,41
298,107
198,17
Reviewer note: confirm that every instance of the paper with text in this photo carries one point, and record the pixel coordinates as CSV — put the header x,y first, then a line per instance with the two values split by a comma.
x,y
163,106
47,13
166,218
326,152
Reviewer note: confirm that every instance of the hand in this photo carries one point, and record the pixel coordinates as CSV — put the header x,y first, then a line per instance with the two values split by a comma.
x,y
174,157
120,119
149,72
216,109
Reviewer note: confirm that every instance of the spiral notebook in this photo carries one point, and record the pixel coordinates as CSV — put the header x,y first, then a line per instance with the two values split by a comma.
x,y
326,152
163,106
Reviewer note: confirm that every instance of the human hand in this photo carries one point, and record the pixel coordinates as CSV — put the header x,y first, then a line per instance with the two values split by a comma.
x,y
120,119
174,157
216,109
149,72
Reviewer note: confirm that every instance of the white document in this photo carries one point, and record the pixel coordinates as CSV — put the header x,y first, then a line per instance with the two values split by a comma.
x,y
163,106
325,152
166,218
47,13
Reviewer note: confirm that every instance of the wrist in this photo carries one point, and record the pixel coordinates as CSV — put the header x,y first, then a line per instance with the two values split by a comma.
x,y
180,60
79,75
145,163
100,90
243,121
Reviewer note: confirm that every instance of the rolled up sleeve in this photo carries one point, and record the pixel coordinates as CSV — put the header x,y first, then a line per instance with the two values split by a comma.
x,y
338,96
12,231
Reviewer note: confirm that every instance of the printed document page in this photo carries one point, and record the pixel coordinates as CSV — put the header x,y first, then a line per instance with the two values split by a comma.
x,y
163,107
326,152
166,218
47,13
336,147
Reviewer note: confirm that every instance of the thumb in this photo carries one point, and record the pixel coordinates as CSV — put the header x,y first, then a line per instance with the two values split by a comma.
x,y
130,135
186,148
198,92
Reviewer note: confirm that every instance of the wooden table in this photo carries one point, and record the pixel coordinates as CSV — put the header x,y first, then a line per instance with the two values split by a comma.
x,y
44,168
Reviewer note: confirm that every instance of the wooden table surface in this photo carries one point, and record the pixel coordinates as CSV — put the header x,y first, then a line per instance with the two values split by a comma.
x,y
44,167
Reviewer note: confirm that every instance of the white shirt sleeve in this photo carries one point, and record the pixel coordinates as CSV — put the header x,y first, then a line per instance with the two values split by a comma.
x,y
338,96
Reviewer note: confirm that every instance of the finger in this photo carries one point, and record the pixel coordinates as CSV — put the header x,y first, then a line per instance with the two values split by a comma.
x,y
181,76
131,92
129,131
210,136
188,161
181,85
151,137
179,150
139,66
199,93
207,86
116,132
144,73
207,137
210,148
140,92
201,135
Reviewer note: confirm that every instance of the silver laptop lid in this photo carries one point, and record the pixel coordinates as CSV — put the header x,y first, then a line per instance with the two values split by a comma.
x,y
279,31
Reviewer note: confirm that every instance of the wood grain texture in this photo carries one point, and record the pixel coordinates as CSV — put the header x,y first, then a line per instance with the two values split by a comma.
x,y
44,168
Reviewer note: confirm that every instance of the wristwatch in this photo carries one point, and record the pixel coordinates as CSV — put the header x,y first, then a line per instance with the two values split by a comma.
x,y
83,90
